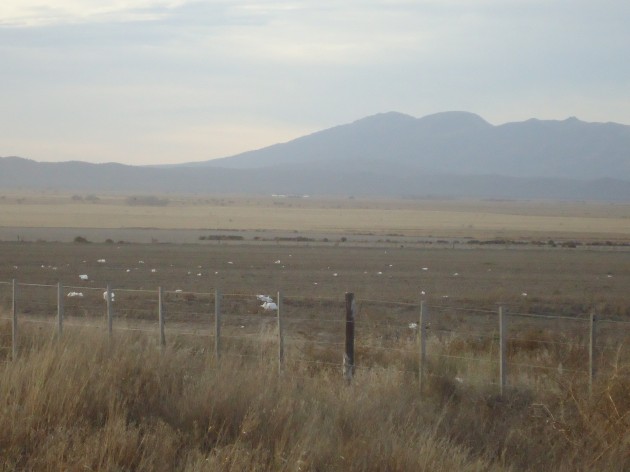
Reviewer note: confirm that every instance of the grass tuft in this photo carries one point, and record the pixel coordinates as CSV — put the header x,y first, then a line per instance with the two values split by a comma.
x,y
84,403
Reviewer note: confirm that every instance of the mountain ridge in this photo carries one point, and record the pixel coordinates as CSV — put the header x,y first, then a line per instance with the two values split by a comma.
x,y
458,141
450,154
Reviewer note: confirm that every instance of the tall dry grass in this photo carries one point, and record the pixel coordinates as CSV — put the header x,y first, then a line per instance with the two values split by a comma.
x,y
83,403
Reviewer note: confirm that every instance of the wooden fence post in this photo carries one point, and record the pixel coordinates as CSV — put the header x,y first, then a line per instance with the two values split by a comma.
x,y
348,357
110,312
59,310
14,325
217,324
280,334
592,368
161,318
422,339
503,350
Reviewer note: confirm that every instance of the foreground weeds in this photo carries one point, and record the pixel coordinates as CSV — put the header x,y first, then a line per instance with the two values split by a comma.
x,y
84,403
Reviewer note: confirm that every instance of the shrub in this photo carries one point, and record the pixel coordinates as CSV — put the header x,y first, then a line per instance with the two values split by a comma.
x,y
146,200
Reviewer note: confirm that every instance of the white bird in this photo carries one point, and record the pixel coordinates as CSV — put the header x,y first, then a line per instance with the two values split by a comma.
x,y
75,294
105,295
83,276
264,298
101,261
269,306
413,325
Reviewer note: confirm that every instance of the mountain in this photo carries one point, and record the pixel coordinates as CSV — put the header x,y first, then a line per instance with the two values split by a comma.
x,y
452,154
456,142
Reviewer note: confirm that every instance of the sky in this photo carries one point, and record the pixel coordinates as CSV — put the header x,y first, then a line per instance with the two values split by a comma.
x,y
170,81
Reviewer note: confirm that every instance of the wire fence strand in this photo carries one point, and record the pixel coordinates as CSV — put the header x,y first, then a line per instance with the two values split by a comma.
x,y
388,334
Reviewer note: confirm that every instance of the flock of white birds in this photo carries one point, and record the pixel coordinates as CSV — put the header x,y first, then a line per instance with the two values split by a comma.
x,y
268,303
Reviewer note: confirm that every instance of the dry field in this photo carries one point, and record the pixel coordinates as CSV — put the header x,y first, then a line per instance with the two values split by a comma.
x,y
84,404
557,280
348,217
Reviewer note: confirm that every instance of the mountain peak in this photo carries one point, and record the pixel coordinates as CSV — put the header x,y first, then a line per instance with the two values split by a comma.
x,y
452,153
392,118
455,120
15,159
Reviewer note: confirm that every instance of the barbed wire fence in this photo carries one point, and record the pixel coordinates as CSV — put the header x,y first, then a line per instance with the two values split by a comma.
x,y
497,348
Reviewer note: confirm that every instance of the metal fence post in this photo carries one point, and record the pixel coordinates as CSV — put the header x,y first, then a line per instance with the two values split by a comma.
x,y
110,312
14,325
503,350
592,368
422,339
348,357
161,318
59,310
280,334
217,324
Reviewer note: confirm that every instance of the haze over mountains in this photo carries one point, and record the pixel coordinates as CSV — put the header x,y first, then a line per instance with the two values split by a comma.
x,y
451,154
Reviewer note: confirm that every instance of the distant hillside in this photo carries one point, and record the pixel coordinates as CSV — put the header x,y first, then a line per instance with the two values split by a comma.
x,y
456,142
453,154
22,174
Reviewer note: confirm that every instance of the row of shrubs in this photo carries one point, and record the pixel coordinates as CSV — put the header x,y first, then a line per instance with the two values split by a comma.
x,y
84,240
551,242
504,242
221,237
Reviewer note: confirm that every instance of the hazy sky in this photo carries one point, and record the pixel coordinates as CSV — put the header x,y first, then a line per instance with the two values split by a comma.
x,y
165,81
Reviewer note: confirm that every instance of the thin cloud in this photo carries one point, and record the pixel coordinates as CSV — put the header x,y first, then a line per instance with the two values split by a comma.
x,y
142,81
